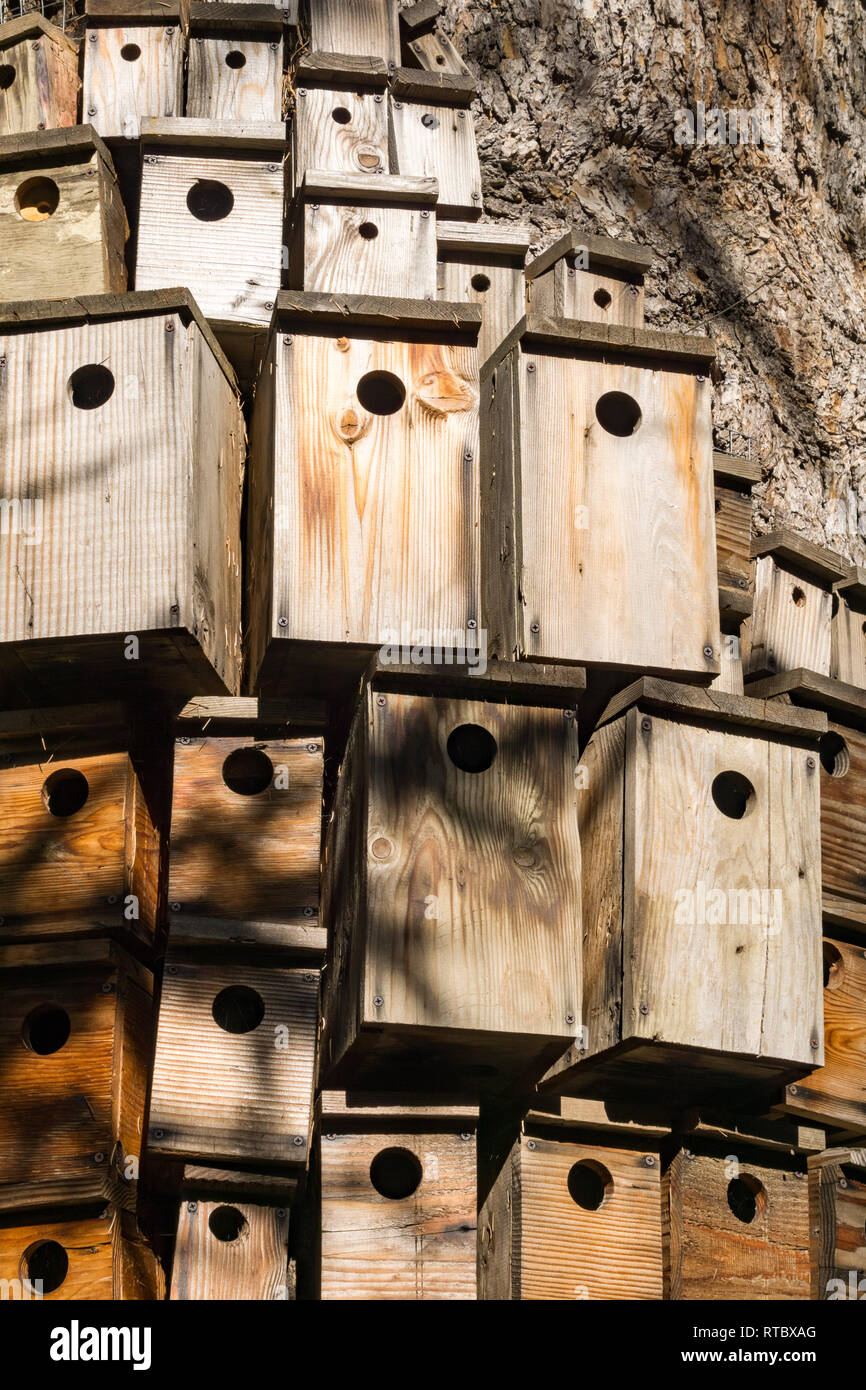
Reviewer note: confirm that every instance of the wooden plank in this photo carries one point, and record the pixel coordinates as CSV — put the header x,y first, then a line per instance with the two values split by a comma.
x,y
369,188
234,1096
516,682
843,813
420,1246
231,264
235,79
271,837
730,678
414,19
732,470
602,252
835,1094
369,1108
248,709
446,88
501,487
436,140
493,238
843,912
369,247
131,72
375,311
686,350
338,130
571,291
790,622
837,1209
848,634
61,222
570,1113
723,1257
368,27
342,69
733,534
247,17
297,941
601,515
52,145
203,1180
105,1258
212,1262
43,92
166,10
822,565
434,52
651,694
489,274
47,726
239,134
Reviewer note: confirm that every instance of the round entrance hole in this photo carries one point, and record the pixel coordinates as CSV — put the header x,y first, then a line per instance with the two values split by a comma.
x,y
746,1198
236,59
589,1184
44,1265
238,1009
65,792
248,771
602,299
618,413
834,966
7,76
368,230
36,199
732,794
209,200
91,386
834,755
227,1223
471,748
130,53
382,393
480,283
341,115
46,1029
396,1173
798,598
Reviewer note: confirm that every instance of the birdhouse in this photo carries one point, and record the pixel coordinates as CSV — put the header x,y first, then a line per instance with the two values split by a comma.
x,y
432,136
38,76
451,892
791,618
211,216
701,953
734,477
591,278
738,1223
843,821
848,629
235,69
340,123
597,445
365,234
371,490
100,1255
131,70
837,1199
134,423
77,1023
368,29
256,805
228,1252
61,216
482,263
424,43
91,811
397,1198
836,1094
568,1214
235,1057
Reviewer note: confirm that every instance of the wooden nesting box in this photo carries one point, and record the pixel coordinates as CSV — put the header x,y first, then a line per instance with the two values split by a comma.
x,y
98,1256
211,216
837,1201
843,820
61,216
235,70
848,629
599,544
365,234
482,263
432,136
340,123
235,1057
397,1198
591,278
367,28
76,1029
82,827
702,952
568,1215
452,893
122,570
133,66
370,491
424,43
734,478
836,1095
230,1252
738,1225
256,805
38,76
790,622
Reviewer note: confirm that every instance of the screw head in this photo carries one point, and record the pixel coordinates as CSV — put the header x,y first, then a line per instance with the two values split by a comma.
x,y
530,1143
793,1090
309,912
465,1137
708,651
310,977
287,341
644,1008
471,624
269,304
91,110
282,622
568,714
810,763
158,1133
330,1137
843,1182
530,367
378,1001
185,739
171,970
424,212
281,1214
99,1157
298,1141
174,907
312,747
534,627
272,168
569,1018
572,272
112,898
380,699
91,38
814,1043
646,726
649,1161
169,328
378,99
192,1206
108,987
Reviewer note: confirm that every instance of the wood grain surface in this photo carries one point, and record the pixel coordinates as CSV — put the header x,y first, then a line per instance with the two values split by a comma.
x,y
366,27
835,1095
43,93
252,1266
843,814
355,247
438,141
107,1257
221,88
118,92
323,140
790,622
848,642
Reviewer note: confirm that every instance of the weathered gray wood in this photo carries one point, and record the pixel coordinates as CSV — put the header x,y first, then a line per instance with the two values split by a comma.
x,y
602,252
747,711
223,710
444,88
205,134
340,131
368,27
790,624
342,69
43,62
825,566
120,90
491,238
434,52
414,19
813,689
376,312
436,139
482,263
733,471
369,188
247,17
237,79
